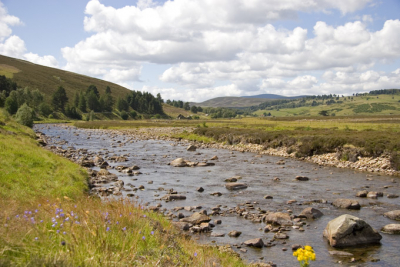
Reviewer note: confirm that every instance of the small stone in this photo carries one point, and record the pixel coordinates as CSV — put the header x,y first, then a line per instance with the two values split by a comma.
x,y
234,233
200,189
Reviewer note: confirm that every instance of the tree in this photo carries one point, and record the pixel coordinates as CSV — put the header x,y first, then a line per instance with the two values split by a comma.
x,y
92,101
122,104
186,106
82,102
93,88
159,99
25,116
11,104
323,113
193,109
107,100
76,99
59,99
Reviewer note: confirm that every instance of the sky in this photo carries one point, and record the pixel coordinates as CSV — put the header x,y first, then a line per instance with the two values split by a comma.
x,y
195,50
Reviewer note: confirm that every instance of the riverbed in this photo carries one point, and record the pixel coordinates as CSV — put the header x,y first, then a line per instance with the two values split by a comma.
x,y
264,175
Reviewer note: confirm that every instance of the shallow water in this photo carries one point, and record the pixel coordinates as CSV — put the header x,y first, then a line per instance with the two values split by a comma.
x,y
153,156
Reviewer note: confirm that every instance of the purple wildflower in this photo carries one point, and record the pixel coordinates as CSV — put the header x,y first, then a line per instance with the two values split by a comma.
x,y
123,229
143,237
152,233
195,254
107,229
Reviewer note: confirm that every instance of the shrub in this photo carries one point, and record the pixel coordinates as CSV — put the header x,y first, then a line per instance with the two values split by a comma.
x,y
133,114
45,109
395,161
124,115
25,115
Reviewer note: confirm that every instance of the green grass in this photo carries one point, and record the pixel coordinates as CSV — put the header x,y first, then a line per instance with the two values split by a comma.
x,y
360,105
47,218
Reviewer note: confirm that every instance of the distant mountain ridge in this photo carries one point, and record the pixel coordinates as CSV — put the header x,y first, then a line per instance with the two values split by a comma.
x,y
273,96
240,101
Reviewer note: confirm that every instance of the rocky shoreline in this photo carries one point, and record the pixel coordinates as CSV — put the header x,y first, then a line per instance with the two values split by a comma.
x,y
368,164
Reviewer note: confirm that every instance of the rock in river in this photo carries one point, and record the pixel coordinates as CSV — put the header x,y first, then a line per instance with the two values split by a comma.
x,y
393,229
311,213
349,204
256,242
278,218
173,197
394,215
196,218
348,230
235,186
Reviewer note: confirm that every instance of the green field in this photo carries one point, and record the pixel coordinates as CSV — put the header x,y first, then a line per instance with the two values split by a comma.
x,y
359,105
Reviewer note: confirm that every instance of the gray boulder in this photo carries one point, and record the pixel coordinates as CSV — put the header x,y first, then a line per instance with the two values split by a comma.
x,y
191,148
278,218
196,219
311,213
256,242
348,230
235,186
393,229
393,215
350,204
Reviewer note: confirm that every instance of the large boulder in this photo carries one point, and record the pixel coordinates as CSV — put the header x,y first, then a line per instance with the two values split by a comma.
x,y
348,230
311,213
393,229
196,218
278,218
256,242
235,186
393,215
349,204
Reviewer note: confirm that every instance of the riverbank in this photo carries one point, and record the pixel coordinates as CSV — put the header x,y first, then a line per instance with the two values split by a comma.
x,y
271,181
48,219
380,164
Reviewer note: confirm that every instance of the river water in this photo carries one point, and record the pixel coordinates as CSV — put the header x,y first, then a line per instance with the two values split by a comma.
x,y
326,183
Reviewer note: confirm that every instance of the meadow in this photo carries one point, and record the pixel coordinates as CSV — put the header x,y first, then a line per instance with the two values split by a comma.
x,y
48,218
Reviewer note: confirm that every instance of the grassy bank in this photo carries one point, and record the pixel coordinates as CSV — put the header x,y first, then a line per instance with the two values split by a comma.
x,y
47,218
351,136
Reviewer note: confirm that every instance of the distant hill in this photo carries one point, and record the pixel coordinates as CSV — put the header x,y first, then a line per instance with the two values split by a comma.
x,y
240,102
230,102
273,96
47,80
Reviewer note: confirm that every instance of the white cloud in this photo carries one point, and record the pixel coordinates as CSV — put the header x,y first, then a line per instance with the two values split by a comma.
x,y
6,21
49,61
14,46
233,42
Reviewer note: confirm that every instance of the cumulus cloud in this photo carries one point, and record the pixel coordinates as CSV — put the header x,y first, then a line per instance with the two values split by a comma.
x,y
235,42
14,46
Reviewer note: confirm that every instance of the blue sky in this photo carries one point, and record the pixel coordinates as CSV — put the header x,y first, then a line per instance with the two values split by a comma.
x,y
195,50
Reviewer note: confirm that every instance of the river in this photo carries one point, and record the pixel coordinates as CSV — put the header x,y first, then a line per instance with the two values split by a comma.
x,y
258,171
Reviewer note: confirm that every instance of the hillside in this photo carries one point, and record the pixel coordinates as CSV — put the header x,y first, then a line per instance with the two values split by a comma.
x,y
230,102
273,96
47,80
363,104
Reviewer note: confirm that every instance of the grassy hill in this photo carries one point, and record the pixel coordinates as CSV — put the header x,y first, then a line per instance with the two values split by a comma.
x,y
347,106
47,80
231,102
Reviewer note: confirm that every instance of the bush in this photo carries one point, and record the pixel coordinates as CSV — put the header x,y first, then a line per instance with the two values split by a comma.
x,y
124,115
133,114
45,109
25,115
395,161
